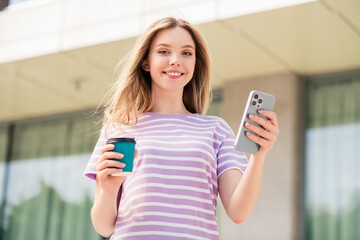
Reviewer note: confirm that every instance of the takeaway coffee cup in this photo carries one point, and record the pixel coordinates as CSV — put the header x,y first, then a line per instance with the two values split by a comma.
x,y
126,146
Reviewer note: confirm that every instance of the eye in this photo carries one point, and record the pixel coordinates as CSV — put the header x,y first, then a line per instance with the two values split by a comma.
x,y
187,53
163,52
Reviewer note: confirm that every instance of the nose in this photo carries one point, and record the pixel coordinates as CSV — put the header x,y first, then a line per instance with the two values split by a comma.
x,y
174,60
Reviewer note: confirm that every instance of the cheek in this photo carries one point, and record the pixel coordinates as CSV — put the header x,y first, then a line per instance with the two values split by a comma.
x,y
191,66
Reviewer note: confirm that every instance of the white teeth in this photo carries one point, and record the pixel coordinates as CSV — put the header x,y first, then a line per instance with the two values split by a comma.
x,y
173,74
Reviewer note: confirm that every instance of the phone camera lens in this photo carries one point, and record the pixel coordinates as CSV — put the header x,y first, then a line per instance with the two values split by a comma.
x,y
256,96
260,100
254,103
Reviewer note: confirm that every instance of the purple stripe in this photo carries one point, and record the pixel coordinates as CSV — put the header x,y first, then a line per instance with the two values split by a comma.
x,y
176,163
153,237
175,201
177,133
149,227
182,182
200,143
172,172
189,212
174,153
175,192
176,220
175,125
230,166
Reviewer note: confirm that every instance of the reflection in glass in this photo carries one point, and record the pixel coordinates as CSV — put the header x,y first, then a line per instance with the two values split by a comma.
x,y
332,179
48,197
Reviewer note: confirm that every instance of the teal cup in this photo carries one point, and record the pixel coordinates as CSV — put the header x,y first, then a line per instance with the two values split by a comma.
x,y
126,146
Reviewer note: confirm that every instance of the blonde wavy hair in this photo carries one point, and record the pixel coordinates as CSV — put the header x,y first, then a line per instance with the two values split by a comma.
x,y
131,94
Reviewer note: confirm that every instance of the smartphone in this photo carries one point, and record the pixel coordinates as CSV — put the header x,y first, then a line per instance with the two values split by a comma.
x,y
256,101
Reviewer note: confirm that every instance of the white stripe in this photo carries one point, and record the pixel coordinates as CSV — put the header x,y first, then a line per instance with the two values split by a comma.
x,y
236,155
167,186
177,143
150,122
221,135
163,233
96,156
180,168
207,119
177,131
228,147
200,170
163,176
162,204
132,179
98,147
171,196
231,161
230,139
195,159
225,130
175,158
127,198
164,214
160,185
175,125
168,224
194,137
177,149
90,164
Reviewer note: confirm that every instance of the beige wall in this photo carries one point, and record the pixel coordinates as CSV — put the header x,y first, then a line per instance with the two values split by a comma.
x,y
275,214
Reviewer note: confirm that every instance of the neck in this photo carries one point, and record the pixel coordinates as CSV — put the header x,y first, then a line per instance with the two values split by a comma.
x,y
168,103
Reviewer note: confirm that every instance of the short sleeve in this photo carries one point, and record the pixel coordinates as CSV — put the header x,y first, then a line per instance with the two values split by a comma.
x,y
227,156
90,169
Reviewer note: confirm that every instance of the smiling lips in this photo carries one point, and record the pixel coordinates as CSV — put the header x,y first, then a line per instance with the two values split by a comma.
x,y
173,74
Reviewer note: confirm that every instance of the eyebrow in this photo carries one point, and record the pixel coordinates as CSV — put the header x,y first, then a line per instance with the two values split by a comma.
x,y
167,45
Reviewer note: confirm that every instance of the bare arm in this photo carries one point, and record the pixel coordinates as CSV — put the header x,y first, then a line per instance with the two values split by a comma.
x,y
107,194
239,193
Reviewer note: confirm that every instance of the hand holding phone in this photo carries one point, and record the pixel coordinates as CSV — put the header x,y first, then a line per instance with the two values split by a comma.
x,y
256,101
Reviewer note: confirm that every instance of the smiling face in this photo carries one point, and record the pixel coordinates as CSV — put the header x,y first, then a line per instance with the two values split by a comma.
x,y
171,60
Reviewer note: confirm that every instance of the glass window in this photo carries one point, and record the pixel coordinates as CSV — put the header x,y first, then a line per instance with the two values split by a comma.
x,y
332,179
3,152
47,196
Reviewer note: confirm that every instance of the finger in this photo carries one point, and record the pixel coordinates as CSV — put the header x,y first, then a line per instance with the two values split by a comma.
x,y
265,144
109,171
136,151
107,148
263,122
109,164
261,132
110,155
270,115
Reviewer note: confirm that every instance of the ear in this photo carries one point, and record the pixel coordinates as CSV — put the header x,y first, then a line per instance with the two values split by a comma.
x,y
145,65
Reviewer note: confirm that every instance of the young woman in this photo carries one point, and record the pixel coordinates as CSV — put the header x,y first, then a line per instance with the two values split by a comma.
x,y
184,159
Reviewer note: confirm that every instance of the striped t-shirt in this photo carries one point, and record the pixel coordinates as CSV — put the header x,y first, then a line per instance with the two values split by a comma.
x,y
172,192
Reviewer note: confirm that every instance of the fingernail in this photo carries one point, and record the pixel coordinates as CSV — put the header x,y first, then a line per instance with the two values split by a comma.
x,y
261,111
251,116
120,155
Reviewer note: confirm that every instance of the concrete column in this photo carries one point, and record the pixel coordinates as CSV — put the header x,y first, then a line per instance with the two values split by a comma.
x,y
275,215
